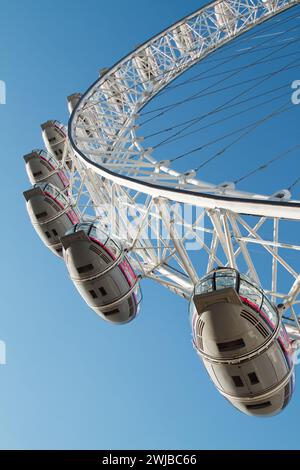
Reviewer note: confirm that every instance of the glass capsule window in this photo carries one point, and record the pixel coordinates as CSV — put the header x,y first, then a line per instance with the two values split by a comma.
x,y
47,157
62,199
225,279
268,310
138,295
251,292
284,338
247,289
128,271
95,233
62,129
205,285
54,192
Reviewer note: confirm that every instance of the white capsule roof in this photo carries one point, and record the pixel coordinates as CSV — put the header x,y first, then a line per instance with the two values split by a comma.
x,y
102,273
72,101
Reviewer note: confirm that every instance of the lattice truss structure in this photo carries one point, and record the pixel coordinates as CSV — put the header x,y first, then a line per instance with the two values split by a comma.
x,y
174,226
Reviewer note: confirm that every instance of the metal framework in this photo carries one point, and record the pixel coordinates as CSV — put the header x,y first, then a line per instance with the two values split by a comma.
x,y
174,226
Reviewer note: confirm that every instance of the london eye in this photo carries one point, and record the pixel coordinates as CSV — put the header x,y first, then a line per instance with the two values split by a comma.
x,y
128,190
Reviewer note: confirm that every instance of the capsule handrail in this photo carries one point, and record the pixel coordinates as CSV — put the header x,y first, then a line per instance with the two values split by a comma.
x,y
107,307
270,392
243,357
102,273
70,206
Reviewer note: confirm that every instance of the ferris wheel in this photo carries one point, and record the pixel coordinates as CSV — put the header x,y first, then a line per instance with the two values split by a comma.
x,y
117,213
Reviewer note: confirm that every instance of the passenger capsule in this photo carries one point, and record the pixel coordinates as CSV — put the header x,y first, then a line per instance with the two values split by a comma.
x,y
51,214
42,167
84,130
72,101
102,273
243,343
55,138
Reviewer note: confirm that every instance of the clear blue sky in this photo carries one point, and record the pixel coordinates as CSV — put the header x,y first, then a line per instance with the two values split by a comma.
x,y
72,381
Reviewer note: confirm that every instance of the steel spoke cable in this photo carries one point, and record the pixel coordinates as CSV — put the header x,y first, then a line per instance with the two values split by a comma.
x,y
193,121
265,165
252,125
294,184
203,75
195,118
231,100
254,34
290,66
237,53
253,128
216,140
168,129
227,87
166,72
164,109
265,27
238,113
